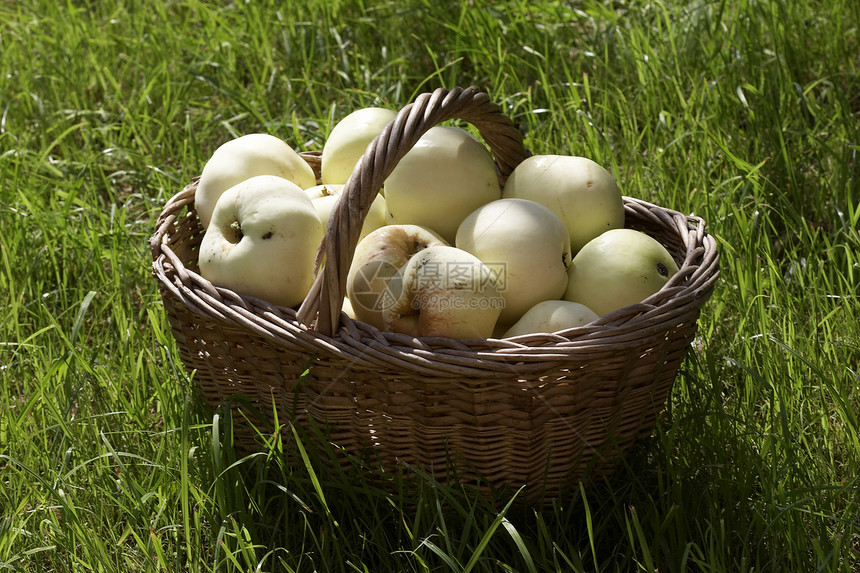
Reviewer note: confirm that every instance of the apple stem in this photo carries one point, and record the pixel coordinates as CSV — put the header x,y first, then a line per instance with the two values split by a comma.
x,y
237,232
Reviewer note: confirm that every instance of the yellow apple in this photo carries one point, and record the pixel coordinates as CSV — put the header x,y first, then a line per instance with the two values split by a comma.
x,y
348,140
347,308
245,157
584,195
525,244
551,316
446,175
326,196
262,240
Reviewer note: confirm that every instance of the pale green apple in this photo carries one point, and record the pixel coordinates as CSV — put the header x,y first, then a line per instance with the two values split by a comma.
x,y
326,196
348,140
551,316
584,195
618,268
262,240
347,308
444,177
526,244
244,157
446,292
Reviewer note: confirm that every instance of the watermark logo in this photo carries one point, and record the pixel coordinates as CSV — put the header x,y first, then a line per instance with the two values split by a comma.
x,y
437,301
379,285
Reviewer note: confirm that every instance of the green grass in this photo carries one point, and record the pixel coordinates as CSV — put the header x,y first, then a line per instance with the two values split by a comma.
x,y
745,113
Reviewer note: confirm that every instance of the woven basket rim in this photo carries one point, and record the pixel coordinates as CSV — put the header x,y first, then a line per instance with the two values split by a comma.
x,y
687,291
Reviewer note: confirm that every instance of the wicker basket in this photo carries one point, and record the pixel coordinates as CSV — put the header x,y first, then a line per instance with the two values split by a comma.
x,y
540,410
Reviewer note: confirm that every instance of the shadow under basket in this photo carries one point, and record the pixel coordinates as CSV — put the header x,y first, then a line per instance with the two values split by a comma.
x,y
543,410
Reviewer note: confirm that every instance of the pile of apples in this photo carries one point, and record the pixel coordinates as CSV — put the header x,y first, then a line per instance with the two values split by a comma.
x,y
444,250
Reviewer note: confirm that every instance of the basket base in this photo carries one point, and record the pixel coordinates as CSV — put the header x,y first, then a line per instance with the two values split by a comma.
x,y
566,467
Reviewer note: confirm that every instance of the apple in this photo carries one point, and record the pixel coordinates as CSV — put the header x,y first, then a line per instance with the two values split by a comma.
x,y
526,244
551,316
446,292
326,196
244,157
347,308
582,193
348,140
262,240
374,281
618,268
445,176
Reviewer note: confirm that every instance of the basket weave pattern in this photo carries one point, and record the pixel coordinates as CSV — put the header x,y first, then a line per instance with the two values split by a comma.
x,y
539,409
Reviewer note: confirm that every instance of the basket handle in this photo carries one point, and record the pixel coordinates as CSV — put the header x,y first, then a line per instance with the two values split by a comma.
x,y
325,299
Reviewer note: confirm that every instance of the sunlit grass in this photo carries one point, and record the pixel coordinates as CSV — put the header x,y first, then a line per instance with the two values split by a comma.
x,y
745,113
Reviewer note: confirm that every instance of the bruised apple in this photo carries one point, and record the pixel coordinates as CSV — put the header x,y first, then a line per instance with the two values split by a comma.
x,y
446,292
375,281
